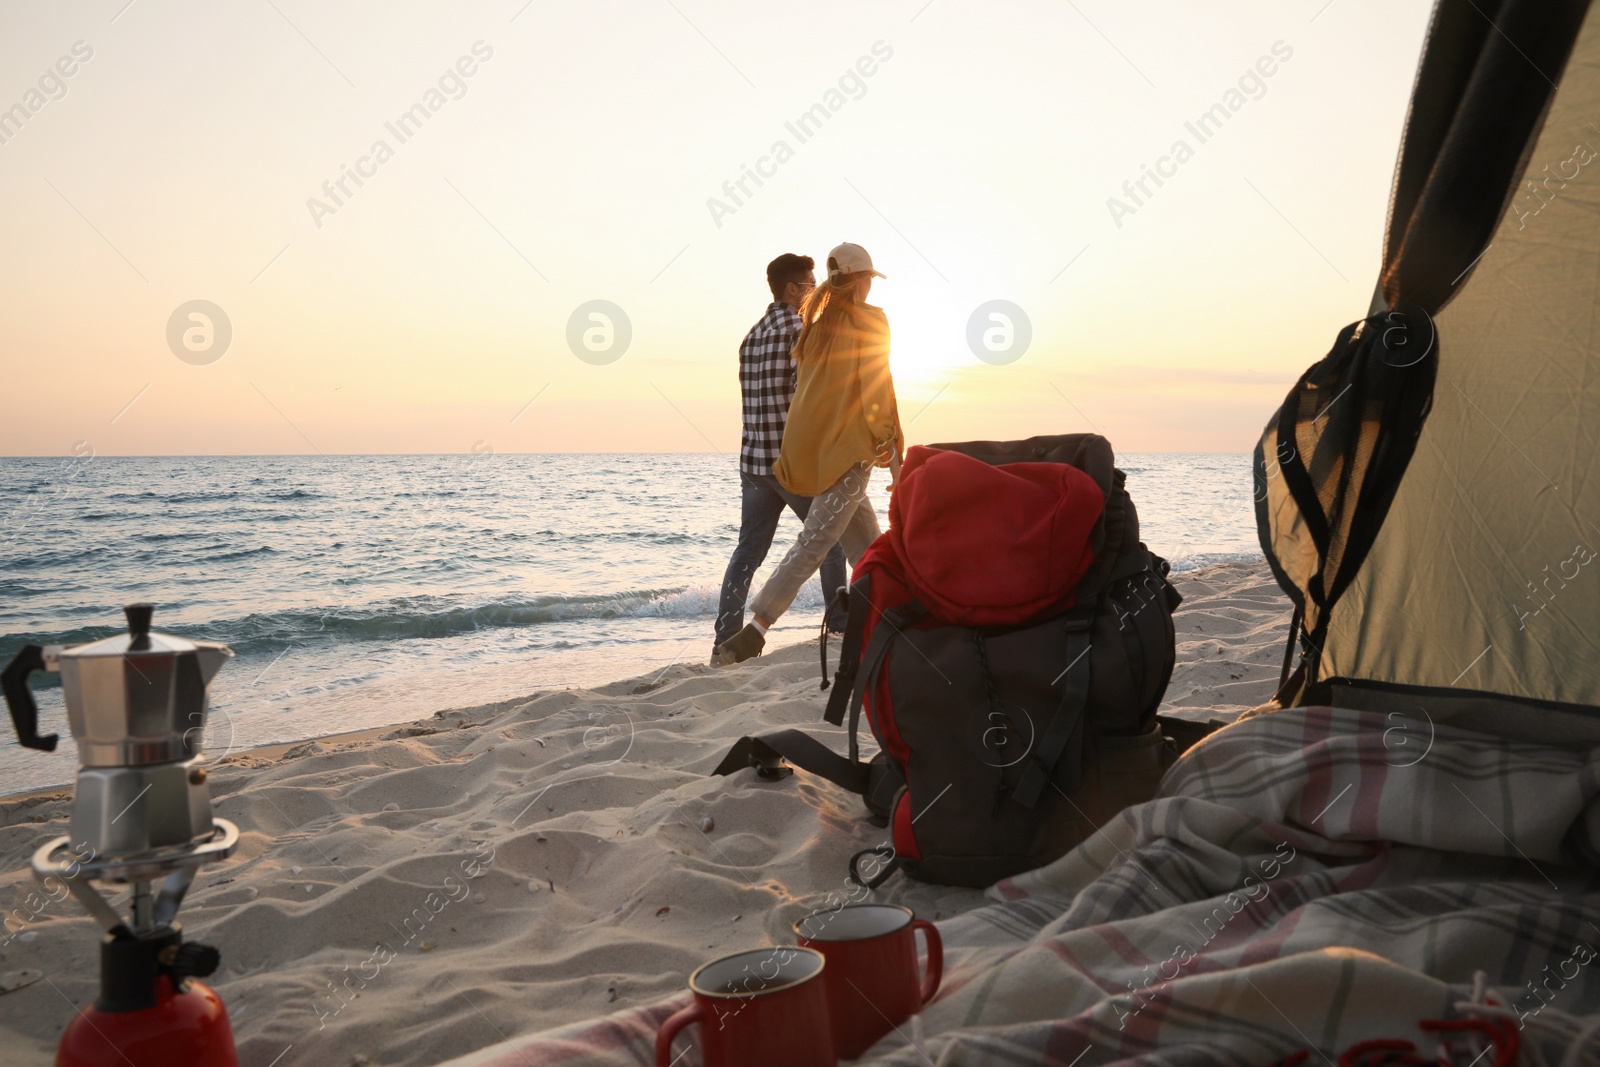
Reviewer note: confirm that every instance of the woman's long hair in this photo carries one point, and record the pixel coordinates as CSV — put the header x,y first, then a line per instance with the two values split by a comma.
x,y
830,294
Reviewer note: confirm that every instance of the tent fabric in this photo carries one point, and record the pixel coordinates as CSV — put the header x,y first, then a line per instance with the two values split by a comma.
x,y
1330,465
1486,76
1283,891
1485,576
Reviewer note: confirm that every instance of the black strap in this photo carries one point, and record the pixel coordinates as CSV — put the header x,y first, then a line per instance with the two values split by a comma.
x,y
1311,648
891,624
1288,649
858,601
1186,733
822,649
1133,646
841,599
1064,735
800,749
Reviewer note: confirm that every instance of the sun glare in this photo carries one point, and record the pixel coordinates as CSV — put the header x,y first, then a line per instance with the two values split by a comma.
x,y
927,333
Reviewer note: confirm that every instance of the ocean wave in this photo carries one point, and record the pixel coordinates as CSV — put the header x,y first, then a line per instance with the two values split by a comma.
x,y
64,556
242,553
215,496
1189,561
424,617
659,537
161,536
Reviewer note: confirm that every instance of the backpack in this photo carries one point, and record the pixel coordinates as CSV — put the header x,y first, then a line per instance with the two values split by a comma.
x,y
1009,640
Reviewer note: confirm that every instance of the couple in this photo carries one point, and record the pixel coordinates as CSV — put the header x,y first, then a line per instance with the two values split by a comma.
x,y
819,415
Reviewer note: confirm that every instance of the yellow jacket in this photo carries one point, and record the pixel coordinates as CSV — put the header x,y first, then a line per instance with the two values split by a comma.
x,y
844,409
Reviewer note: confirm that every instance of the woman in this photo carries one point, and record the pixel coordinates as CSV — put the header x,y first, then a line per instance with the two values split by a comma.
x,y
843,423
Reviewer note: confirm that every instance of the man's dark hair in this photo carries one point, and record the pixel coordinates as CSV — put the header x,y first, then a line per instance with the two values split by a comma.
x,y
785,269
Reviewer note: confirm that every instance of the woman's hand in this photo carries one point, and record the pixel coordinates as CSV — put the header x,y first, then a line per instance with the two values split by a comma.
x,y
894,469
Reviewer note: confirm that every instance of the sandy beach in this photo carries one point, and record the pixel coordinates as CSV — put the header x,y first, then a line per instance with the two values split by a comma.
x,y
408,895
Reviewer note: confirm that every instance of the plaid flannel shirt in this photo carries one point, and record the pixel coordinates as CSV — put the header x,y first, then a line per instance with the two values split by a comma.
x,y
766,377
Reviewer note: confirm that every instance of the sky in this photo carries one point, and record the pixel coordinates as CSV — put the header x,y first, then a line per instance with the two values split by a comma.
x,y
545,245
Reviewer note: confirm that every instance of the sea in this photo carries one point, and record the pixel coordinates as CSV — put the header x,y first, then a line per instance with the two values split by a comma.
x,y
363,591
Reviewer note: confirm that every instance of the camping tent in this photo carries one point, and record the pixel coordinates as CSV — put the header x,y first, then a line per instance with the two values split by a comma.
x,y
1425,494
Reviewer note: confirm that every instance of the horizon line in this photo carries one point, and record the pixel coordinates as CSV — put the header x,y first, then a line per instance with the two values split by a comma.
x,y
372,455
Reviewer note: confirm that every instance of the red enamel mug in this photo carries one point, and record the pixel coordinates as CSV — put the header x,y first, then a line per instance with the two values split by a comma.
x,y
765,1007
871,978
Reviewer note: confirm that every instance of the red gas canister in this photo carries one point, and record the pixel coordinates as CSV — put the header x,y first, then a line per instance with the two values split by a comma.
x,y
188,1027
152,1011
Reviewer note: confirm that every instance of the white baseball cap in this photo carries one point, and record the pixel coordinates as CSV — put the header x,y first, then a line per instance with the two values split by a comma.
x,y
850,259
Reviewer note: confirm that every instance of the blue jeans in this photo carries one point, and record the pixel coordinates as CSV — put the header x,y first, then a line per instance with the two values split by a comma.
x,y
762,500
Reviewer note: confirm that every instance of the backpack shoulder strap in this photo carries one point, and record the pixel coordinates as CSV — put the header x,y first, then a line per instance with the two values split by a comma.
x,y
1066,728
800,749
891,624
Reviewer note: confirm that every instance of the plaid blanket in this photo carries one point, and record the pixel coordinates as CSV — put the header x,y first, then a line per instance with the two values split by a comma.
x,y
1305,880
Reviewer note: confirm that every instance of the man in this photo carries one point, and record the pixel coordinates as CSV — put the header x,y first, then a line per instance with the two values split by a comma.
x,y
766,378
